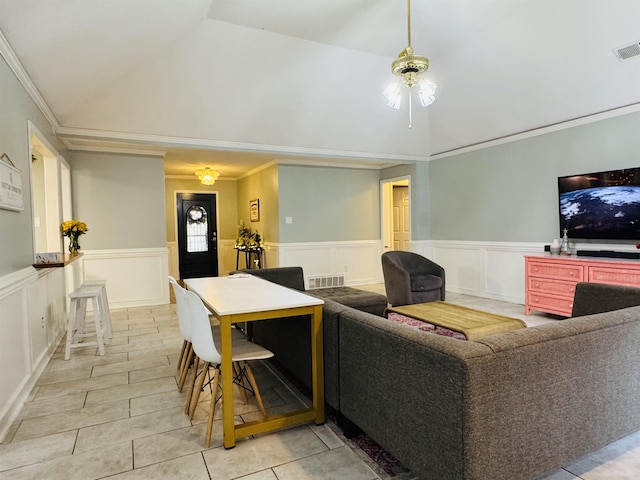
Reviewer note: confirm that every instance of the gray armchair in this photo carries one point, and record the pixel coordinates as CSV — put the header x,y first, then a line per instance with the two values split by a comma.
x,y
411,278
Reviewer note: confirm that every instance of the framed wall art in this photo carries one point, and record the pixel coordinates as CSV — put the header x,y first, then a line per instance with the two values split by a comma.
x,y
254,210
10,185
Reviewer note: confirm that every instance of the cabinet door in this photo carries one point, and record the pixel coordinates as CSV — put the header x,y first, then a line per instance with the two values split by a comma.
x,y
555,287
558,271
549,303
614,275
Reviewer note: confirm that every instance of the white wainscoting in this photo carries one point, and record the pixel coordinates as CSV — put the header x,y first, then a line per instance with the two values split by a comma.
x,y
358,261
135,277
484,269
15,345
32,322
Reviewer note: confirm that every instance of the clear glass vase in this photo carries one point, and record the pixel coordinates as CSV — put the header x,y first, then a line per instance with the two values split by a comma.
x,y
74,246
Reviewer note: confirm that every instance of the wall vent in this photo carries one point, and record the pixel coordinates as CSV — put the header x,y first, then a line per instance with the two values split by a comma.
x,y
326,281
628,51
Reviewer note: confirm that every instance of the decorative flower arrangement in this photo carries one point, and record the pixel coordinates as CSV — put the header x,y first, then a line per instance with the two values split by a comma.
x,y
247,238
73,229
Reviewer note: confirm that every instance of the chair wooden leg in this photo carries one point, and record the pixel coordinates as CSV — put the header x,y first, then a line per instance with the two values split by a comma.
x,y
212,405
237,370
198,389
254,386
192,384
185,367
183,352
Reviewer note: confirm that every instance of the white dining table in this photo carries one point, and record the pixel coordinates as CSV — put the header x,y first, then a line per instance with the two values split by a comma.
x,y
246,298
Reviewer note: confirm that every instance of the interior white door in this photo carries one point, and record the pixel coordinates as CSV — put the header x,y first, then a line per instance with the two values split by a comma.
x,y
401,217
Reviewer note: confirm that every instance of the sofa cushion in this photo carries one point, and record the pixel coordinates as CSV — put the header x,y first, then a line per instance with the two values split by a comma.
x,y
424,282
362,300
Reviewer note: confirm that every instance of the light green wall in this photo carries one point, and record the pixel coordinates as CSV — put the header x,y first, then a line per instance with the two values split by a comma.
x,y
262,185
227,197
509,192
120,198
328,204
16,108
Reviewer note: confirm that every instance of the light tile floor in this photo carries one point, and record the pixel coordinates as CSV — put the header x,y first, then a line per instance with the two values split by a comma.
x,y
121,416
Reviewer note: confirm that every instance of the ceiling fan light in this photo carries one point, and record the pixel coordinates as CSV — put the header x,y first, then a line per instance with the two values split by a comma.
x,y
426,92
393,93
408,67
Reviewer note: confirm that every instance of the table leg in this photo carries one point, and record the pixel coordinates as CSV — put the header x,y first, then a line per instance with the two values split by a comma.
x,y
317,364
228,427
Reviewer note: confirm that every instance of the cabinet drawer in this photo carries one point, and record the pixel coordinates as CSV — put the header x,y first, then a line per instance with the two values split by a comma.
x,y
619,276
556,287
549,303
556,270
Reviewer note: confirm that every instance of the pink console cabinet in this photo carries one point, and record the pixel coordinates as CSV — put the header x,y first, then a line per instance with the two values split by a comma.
x,y
550,280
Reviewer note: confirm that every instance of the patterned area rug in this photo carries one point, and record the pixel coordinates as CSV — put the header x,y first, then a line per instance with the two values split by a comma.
x,y
380,461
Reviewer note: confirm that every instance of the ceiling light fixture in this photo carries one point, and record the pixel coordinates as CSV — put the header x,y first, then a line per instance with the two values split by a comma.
x,y
408,67
207,176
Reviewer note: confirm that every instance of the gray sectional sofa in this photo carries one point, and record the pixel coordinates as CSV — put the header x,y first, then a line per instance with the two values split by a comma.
x,y
513,405
288,338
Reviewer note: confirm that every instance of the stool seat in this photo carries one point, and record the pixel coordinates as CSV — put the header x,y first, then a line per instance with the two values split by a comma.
x,y
76,323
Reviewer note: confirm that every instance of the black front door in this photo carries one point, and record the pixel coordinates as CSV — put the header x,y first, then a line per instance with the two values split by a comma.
x,y
197,235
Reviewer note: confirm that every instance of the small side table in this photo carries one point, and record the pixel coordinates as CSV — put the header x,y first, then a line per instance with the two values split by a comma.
x,y
257,251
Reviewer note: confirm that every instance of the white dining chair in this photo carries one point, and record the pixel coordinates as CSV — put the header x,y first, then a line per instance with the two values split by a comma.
x,y
206,350
184,322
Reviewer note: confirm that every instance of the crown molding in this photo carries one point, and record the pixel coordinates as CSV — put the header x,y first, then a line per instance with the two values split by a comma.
x,y
68,134
21,74
554,127
188,142
122,150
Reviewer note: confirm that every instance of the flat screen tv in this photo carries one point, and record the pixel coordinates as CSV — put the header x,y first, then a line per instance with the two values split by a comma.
x,y
602,205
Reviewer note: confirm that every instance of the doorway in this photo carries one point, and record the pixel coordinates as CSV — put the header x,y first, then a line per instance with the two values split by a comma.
x,y
396,214
50,178
197,220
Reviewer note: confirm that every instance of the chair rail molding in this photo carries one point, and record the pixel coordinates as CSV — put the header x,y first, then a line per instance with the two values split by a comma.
x,y
16,281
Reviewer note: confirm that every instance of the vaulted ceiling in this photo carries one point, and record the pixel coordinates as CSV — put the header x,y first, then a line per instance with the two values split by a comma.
x,y
237,83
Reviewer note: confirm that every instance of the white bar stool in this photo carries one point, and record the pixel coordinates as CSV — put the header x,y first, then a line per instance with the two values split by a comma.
x,y
76,331
105,303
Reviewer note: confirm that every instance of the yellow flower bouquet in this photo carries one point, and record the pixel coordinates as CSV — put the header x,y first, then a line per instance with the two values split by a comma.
x,y
73,229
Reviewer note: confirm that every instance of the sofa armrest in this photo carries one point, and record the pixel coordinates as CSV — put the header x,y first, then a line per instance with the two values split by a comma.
x,y
397,284
592,298
404,388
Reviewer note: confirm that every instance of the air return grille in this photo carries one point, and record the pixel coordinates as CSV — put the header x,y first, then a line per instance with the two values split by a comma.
x,y
326,281
628,51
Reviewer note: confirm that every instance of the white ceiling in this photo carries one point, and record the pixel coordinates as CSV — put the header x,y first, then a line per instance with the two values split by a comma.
x,y
238,83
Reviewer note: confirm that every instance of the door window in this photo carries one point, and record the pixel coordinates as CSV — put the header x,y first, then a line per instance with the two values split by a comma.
x,y
197,228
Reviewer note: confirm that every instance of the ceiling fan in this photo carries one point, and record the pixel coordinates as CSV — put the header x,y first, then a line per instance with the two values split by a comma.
x,y
408,67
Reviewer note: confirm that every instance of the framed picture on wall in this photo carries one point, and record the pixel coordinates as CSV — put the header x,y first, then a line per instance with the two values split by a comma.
x,y
254,210
10,185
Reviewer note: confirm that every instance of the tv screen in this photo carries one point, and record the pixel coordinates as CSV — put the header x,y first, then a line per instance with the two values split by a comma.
x,y
603,205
